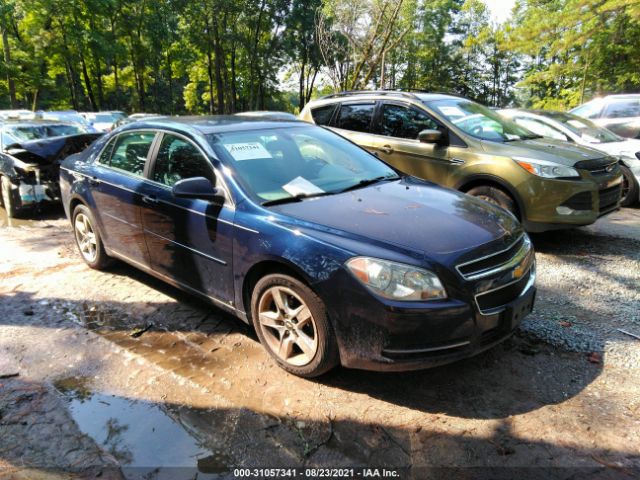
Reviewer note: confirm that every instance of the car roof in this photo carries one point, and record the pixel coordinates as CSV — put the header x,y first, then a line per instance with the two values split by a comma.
x,y
411,94
207,124
34,122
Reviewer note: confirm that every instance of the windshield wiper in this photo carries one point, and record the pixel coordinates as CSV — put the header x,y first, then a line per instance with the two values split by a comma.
x,y
295,198
370,181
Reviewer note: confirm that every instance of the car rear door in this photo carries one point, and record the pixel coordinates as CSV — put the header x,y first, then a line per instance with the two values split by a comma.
x,y
396,142
354,121
622,116
189,240
116,182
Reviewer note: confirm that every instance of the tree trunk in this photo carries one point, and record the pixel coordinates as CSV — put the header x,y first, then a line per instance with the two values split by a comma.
x,y
7,60
210,74
220,87
87,82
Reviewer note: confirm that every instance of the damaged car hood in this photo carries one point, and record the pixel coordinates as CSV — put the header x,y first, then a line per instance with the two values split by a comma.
x,y
50,150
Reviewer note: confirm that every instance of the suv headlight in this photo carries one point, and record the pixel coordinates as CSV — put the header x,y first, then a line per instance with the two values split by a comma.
x,y
545,169
396,281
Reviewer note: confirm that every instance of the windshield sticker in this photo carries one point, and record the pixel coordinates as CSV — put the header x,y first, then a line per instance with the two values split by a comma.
x,y
247,151
301,186
451,111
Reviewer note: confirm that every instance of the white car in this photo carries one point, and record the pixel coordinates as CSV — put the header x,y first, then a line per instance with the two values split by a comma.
x,y
103,121
571,128
618,113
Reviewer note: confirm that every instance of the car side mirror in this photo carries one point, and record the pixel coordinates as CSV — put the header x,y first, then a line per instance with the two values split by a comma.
x,y
430,136
197,187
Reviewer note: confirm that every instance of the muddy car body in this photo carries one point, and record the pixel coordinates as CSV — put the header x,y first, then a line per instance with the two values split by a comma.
x,y
29,170
328,252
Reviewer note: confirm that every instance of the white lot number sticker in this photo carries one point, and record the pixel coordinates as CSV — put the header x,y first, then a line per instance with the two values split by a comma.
x,y
299,186
247,151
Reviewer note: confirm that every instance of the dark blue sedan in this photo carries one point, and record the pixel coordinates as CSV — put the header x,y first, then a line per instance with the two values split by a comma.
x,y
332,255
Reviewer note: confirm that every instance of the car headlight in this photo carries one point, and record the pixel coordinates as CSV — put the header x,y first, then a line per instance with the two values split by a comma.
x,y
545,169
396,281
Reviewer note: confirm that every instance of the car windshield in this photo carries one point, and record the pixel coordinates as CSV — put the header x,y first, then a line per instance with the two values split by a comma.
x,y
103,118
36,132
479,121
586,129
286,164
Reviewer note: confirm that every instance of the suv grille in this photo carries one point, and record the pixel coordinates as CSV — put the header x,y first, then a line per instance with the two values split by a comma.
x,y
580,201
609,197
600,166
496,262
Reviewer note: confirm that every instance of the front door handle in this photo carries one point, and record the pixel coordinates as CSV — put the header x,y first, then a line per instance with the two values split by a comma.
x,y
386,149
149,199
94,181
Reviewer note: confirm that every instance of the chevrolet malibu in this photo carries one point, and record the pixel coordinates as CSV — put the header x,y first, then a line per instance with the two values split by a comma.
x,y
330,254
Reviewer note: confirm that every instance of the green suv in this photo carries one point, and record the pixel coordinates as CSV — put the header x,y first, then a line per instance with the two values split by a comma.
x,y
547,184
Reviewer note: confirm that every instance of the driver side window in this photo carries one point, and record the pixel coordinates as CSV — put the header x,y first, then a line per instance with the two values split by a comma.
x,y
179,159
404,122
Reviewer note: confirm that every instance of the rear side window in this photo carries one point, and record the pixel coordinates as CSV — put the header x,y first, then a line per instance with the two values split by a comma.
x,y
178,159
322,115
355,117
130,151
622,109
405,122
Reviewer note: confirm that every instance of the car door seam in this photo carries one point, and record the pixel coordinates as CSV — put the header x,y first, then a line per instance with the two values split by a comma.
x,y
217,260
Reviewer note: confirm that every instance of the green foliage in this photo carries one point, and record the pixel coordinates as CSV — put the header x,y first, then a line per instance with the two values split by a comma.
x,y
223,56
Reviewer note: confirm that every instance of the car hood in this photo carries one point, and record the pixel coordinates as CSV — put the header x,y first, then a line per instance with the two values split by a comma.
x,y
412,214
50,150
629,147
548,149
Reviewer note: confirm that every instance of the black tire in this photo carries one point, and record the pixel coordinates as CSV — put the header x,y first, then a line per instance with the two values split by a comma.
x,y
497,197
326,354
8,199
101,260
630,188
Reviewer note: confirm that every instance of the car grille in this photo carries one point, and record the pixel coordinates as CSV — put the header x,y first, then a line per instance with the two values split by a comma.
x,y
600,166
495,300
581,201
496,262
609,197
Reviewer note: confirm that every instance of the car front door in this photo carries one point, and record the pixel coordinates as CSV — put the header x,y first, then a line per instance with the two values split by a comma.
x,y
396,142
189,240
118,177
622,116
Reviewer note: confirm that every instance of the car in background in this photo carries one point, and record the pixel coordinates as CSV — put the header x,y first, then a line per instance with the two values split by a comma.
x,y
103,121
547,184
16,115
135,117
571,128
268,114
30,156
618,113
67,116
327,251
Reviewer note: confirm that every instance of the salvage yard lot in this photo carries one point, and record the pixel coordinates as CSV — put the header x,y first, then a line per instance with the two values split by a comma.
x,y
125,374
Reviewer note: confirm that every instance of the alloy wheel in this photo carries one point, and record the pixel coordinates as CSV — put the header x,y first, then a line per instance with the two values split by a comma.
x,y
288,326
86,237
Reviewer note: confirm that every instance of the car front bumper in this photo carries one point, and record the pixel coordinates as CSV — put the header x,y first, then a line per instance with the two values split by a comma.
x,y
373,335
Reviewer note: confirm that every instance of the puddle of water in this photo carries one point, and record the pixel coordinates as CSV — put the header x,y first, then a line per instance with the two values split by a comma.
x,y
32,215
142,436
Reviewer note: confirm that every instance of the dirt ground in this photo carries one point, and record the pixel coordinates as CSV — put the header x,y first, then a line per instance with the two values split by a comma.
x,y
117,375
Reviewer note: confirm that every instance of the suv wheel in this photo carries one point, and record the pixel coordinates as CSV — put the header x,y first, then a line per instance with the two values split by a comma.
x,y
629,188
292,324
495,196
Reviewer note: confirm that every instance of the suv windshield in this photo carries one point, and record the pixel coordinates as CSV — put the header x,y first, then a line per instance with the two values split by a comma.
x,y
279,165
479,121
586,129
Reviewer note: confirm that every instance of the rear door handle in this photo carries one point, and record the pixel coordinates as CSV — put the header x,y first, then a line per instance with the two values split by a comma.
x,y
150,199
386,149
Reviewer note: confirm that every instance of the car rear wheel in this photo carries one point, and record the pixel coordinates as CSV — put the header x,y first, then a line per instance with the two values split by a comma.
x,y
495,196
292,324
88,239
8,202
629,187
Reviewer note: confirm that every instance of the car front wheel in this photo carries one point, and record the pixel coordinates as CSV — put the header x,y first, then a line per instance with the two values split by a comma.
x,y
496,197
292,324
88,238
